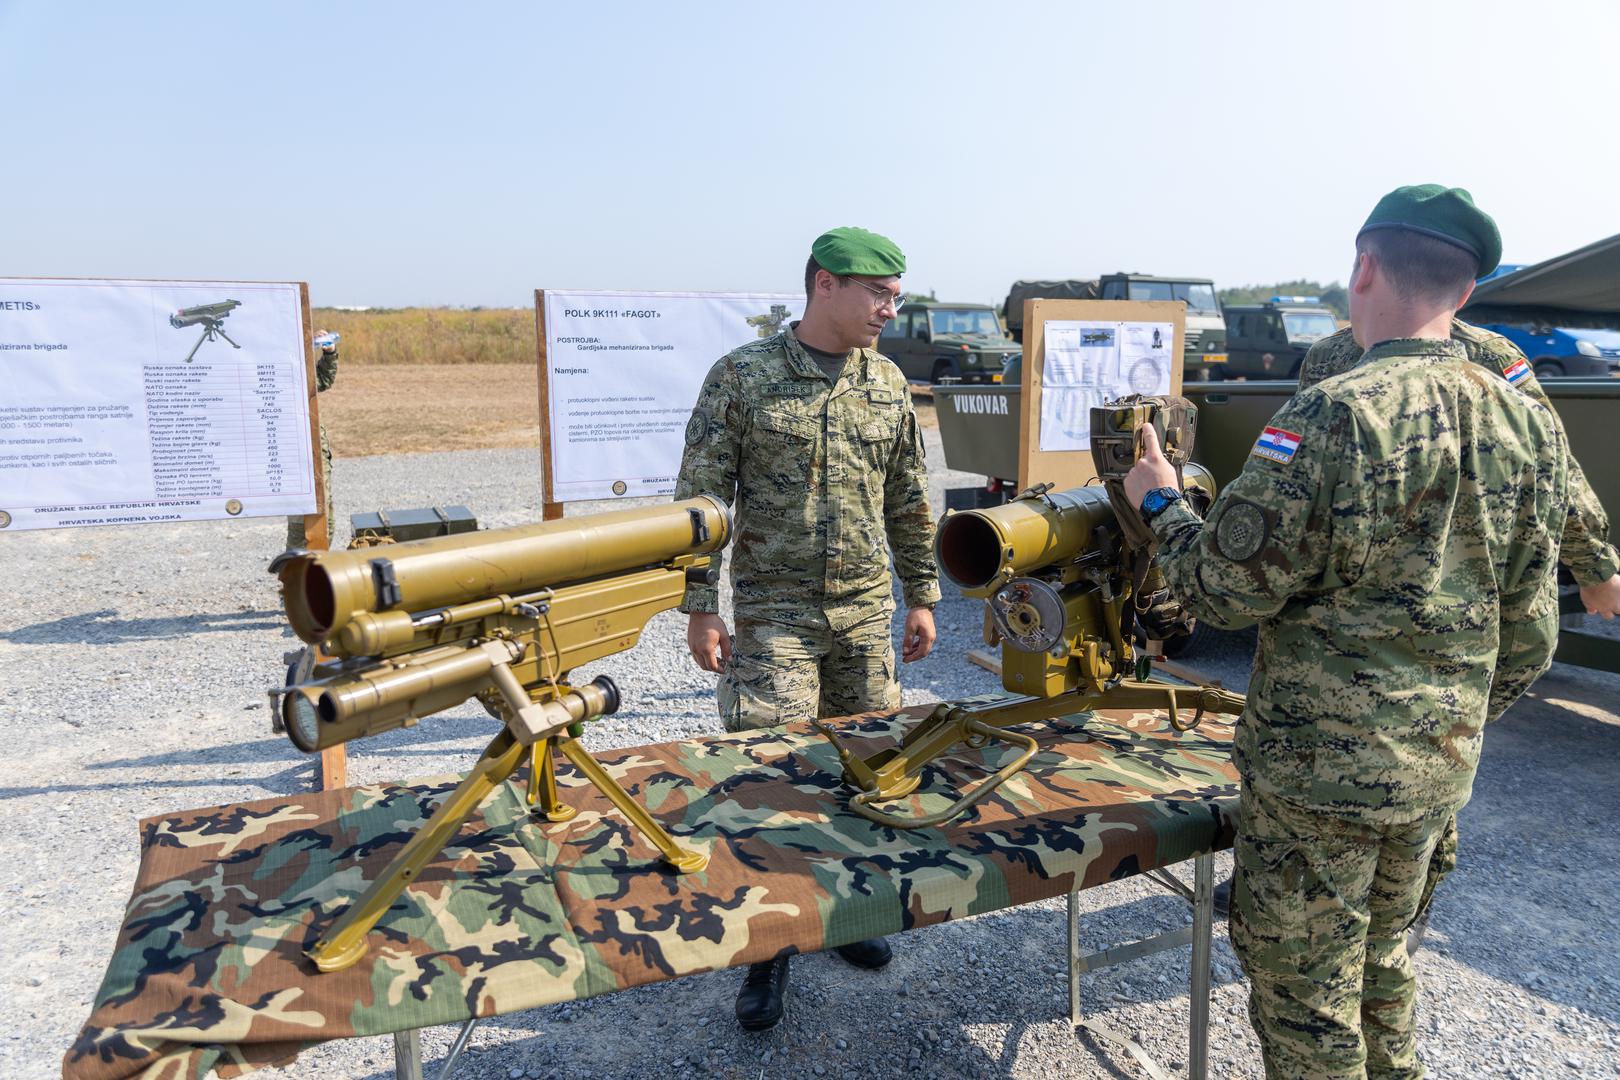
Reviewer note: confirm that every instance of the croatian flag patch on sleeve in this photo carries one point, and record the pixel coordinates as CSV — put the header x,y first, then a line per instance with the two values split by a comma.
x,y
1276,444
1516,371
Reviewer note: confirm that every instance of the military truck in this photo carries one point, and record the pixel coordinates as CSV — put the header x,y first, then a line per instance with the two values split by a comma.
x,y
933,341
1270,340
1205,346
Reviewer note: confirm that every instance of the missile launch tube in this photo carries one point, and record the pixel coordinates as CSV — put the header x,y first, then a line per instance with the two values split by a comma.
x,y
980,550
323,592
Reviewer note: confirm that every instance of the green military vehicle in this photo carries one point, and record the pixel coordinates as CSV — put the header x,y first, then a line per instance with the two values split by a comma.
x,y
1205,346
1270,340
934,341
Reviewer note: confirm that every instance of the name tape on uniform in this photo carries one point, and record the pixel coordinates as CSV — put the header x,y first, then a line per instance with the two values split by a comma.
x,y
1276,445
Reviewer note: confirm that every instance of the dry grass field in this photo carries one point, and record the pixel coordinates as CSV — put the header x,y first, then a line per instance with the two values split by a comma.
x,y
432,335
417,380
416,408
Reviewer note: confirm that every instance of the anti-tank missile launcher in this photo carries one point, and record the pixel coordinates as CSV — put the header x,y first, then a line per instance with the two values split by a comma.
x,y
411,629
1066,577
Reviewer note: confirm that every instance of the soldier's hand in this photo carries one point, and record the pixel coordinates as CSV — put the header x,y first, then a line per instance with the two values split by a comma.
x,y
1602,599
918,640
1151,471
710,642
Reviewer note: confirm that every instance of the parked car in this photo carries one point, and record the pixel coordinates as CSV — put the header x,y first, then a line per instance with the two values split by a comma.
x,y
934,341
1556,351
1270,340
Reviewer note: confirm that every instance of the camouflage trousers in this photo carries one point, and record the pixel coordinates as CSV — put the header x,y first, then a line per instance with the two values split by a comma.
x,y
781,673
295,525
1320,909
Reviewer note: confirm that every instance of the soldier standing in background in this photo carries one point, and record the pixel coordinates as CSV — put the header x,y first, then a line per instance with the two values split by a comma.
x,y
325,375
1395,534
810,435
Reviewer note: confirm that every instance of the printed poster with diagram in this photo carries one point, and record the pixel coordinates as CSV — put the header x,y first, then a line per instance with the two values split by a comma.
x,y
622,374
129,402
1091,363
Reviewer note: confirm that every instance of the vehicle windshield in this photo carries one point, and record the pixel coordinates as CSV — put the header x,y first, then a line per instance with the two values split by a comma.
x,y
1309,325
1198,296
966,322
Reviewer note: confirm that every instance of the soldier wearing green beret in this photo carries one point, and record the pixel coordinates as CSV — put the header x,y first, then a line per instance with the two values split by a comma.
x,y
1395,535
810,435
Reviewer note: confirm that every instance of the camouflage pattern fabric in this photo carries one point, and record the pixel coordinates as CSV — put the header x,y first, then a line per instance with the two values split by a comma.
x,y
820,474
209,973
1320,909
1395,535
783,673
325,375
1586,548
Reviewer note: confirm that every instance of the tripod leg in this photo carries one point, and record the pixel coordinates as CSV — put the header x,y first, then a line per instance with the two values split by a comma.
x,y
543,797
197,346
345,940
682,859
221,332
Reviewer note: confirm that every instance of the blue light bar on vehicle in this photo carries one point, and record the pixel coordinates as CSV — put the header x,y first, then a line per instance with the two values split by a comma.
x,y
1296,300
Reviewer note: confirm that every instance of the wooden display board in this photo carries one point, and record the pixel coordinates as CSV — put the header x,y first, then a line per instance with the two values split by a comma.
x,y
1073,468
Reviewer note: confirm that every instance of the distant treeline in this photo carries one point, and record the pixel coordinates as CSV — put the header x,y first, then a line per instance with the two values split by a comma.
x,y
1332,296
432,335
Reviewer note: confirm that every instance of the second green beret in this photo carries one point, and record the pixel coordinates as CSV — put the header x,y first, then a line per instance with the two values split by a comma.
x,y
1447,214
849,250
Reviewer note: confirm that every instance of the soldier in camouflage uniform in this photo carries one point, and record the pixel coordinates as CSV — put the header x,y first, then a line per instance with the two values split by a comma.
x,y
1586,550
1395,535
325,376
810,435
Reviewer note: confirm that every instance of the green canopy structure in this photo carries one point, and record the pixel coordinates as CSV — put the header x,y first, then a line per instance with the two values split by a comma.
x,y
1581,288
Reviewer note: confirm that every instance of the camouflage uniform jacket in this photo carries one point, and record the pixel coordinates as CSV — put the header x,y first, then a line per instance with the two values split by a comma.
x,y
1586,549
818,474
326,366
1395,534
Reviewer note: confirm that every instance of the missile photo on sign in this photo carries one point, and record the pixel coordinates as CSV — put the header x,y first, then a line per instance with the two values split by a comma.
x,y
211,317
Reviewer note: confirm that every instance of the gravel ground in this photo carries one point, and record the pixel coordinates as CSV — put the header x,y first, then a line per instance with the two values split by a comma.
x,y
134,663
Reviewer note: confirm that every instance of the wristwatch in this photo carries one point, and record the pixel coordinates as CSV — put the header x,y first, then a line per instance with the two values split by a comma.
x,y
1154,502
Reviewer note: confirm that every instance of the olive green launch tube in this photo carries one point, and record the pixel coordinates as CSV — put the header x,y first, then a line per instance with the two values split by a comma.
x,y
325,593
981,550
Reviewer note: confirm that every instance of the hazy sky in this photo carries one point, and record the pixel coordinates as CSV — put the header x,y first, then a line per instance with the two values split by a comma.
x,y
468,153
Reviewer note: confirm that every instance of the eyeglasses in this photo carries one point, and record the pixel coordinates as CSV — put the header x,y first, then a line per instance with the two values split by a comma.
x,y
884,295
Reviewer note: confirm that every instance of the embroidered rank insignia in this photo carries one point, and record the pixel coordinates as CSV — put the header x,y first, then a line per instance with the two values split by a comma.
x,y
1516,371
1276,444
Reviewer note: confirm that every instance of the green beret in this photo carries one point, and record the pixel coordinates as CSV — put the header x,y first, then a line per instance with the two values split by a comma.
x,y
856,251
1444,213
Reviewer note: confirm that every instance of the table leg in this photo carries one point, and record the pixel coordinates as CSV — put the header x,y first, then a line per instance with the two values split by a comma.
x,y
1203,920
408,1054
1074,958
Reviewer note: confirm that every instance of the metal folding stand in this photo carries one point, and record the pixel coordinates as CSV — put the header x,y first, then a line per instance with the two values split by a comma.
x,y
1202,898
408,1052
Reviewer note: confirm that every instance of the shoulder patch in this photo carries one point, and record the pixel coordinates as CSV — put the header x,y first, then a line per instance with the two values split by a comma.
x,y
697,428
1515,372
1242,531
1276,444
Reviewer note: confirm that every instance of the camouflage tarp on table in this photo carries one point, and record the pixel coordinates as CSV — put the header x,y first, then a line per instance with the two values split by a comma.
x,y
209,970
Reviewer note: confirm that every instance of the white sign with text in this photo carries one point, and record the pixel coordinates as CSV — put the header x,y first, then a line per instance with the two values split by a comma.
x,y
128,402
624,370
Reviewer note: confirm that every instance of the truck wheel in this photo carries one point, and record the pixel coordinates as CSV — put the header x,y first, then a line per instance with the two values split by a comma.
x,y
946,369
1548,369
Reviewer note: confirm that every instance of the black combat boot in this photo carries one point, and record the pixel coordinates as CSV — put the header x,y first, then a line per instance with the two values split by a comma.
x,y
763,996
872,953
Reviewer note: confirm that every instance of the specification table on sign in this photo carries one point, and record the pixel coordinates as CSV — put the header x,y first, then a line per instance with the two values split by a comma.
x,y
152,401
